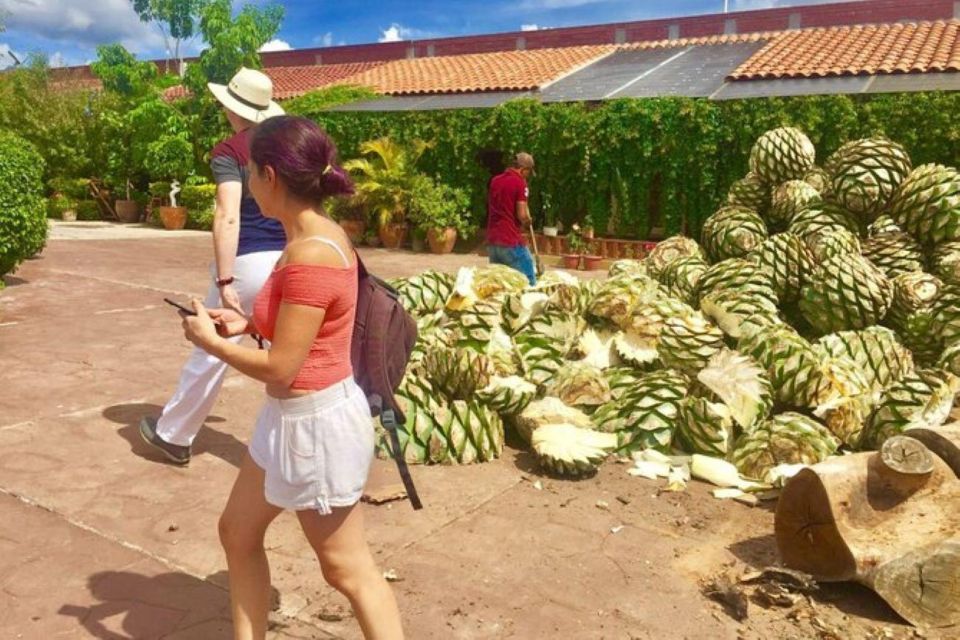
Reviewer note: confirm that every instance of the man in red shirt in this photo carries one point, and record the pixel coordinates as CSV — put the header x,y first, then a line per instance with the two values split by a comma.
x,y
508,215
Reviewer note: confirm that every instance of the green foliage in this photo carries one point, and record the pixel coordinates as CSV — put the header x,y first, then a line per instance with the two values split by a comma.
x,y
311,104
199,199
386,177
23,218
170,157
635,165
176,19
121,72
60,123
73,188
88,210
232,42
58,203
434,205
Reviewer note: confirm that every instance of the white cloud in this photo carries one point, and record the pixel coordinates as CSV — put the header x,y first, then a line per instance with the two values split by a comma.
x,y
57,60
276,45
529,27
84,24
394,33
397,32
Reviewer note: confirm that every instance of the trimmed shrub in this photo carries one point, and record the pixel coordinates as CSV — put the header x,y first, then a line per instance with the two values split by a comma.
x,y
73,188
23,217
57,204
88,210
199,201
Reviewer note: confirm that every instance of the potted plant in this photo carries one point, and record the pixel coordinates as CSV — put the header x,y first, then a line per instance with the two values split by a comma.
x,y
351,215
575,246
588,227
371,238
63,207
128,210
591,260
549,222
171,158
438,211
385,180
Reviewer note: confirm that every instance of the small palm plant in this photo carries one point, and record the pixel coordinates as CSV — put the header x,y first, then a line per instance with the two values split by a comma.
x,y
386,177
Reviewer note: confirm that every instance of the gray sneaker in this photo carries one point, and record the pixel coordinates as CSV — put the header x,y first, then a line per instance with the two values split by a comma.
x,y
175,453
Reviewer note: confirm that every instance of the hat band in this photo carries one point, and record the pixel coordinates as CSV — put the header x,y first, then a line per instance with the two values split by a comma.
x,y
245,102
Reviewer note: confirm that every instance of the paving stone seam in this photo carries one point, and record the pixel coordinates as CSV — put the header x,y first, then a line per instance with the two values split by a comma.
x,y
120,282
31,502
453,520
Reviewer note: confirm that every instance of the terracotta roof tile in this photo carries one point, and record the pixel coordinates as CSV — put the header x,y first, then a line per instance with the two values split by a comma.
x,y
496,71
291,82
868,49
704,40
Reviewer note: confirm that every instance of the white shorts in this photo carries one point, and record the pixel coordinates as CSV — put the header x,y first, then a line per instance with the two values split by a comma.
x,y
315,450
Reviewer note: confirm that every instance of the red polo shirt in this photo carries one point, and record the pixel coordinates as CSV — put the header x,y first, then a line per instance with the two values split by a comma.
x,y
503,226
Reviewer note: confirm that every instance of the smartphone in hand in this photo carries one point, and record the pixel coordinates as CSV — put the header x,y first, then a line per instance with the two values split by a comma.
x,y
184,310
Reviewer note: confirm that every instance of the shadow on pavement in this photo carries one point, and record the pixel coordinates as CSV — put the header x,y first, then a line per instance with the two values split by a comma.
x,y
217,443
134,606
13,281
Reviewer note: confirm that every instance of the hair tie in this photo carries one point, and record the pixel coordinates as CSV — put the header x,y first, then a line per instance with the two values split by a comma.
x,y
328,169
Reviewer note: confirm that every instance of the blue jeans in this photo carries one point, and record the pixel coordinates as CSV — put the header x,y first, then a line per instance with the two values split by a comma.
x,y
518,258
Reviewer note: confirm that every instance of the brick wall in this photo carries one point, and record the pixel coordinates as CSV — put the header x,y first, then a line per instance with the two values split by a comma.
x,y
866,11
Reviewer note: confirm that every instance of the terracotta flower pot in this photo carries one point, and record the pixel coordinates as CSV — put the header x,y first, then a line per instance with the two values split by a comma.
x,y
70,215
394,234
173,217
571,260
588,233
592,263
128,210
354,229
442,240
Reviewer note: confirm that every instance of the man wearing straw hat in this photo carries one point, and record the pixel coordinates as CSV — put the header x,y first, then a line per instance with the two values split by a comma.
x,y
246,246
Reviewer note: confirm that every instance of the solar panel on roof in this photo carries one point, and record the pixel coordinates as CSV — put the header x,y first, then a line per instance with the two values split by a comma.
x,y
436,101
791,87
698,73
945,81
596,81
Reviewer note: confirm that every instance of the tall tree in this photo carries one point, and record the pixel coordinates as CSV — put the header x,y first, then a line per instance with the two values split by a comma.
x,y
121,72
176,19
232,41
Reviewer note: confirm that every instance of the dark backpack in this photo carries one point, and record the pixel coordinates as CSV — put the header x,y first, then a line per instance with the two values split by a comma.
x,y
383,338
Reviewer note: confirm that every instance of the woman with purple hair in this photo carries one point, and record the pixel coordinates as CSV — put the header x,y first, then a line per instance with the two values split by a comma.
x,y
313,442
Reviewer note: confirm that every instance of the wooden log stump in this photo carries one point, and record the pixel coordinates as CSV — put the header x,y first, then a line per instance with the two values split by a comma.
x,y
889,520
944,441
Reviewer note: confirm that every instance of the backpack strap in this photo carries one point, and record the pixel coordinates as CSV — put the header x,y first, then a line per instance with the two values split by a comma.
x,y
388,418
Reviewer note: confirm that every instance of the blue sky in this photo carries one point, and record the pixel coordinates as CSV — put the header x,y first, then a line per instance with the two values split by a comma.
x,y
69,30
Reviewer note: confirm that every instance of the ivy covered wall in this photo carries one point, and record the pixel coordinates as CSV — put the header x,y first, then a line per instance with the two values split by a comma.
x,y
632,166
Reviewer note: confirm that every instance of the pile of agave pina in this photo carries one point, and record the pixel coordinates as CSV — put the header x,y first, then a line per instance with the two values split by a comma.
x,y
819,311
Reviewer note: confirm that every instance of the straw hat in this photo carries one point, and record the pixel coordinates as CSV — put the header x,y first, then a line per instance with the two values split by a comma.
x,y
248,95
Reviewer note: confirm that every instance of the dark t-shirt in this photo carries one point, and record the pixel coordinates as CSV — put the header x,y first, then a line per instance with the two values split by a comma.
x,y
228,160
503,226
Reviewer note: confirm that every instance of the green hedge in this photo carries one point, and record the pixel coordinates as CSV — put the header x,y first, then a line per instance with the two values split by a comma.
x,y
199,201
23,213
634,164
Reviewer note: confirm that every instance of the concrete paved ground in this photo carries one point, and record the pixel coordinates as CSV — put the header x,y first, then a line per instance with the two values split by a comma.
x,y
98,539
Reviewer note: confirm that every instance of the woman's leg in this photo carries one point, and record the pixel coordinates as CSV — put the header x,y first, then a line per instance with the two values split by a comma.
x,y
242,526
348,567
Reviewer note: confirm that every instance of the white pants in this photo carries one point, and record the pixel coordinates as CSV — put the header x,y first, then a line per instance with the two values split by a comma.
x,y
203,374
